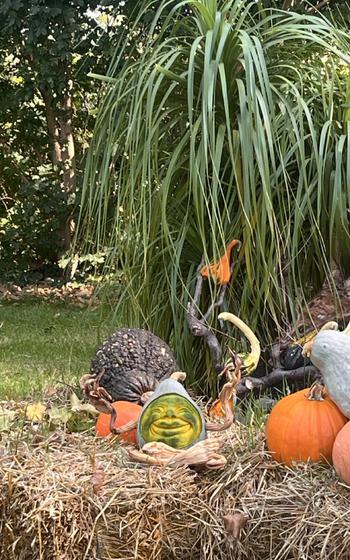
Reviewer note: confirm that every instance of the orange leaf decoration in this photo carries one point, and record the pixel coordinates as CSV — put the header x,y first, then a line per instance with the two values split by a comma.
x,y
221,270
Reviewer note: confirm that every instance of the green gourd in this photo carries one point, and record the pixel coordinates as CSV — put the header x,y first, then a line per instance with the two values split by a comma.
x,y
170,416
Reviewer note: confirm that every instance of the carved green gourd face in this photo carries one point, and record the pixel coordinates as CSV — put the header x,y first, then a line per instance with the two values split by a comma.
x,y
171,419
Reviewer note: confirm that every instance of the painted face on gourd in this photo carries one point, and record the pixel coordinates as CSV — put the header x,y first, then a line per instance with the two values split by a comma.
x,y
171,419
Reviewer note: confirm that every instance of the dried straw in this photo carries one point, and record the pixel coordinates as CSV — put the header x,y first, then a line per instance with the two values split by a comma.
x,y
71,497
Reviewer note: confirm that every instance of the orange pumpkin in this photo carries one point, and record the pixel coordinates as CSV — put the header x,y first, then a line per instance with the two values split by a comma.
x,y
303,427
126,412
216,410
221,270
341,453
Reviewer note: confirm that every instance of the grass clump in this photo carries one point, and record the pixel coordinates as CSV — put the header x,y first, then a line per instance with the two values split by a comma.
x,y
45,343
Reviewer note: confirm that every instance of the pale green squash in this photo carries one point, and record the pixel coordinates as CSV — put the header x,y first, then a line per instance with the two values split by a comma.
x,y
330,353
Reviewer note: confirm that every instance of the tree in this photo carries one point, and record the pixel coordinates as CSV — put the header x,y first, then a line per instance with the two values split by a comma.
x,y
47,48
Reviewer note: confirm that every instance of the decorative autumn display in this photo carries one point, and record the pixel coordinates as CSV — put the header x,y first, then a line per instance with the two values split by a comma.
x,y
303,427
227,397
198,322
341,453
221,270
329,352
125,412
128,365
170,416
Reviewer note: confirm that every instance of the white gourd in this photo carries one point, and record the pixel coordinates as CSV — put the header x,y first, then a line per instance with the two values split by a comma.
x,y
330,353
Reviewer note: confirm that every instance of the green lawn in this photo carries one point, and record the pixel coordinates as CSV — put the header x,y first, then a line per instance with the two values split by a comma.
x,y
44,343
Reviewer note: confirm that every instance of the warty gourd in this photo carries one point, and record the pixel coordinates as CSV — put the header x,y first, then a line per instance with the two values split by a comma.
x,y
134,361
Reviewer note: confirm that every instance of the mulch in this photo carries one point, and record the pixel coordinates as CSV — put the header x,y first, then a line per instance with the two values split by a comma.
x,y
80,295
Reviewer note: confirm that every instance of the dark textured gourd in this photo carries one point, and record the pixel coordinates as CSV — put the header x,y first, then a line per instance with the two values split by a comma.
x,y
134,360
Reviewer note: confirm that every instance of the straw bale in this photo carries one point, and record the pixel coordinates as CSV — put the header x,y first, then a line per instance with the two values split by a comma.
x,y
72,497
46,505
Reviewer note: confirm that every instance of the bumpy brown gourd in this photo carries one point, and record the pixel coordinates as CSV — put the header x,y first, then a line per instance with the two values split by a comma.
x,y
134,361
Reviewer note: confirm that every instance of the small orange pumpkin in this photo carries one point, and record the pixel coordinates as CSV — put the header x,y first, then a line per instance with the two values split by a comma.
x,y
221,270
126,412
216,410
341,453
303,427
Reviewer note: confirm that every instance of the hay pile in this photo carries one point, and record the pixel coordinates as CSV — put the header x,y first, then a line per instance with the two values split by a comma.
x,y
70,498
46,503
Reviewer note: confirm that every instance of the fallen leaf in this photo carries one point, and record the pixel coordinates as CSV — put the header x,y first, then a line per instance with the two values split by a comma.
x,y
234,523
50,391
6,417
59,414
78,406
74,400
35,412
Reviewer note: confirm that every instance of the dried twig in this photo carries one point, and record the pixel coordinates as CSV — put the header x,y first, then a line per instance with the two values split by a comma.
x,y
199,326
276,379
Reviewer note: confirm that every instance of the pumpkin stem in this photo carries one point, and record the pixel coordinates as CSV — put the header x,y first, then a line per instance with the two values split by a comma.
x,y
178,376
316,393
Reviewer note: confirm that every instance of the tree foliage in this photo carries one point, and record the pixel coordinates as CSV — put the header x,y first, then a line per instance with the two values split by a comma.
x,y
47,109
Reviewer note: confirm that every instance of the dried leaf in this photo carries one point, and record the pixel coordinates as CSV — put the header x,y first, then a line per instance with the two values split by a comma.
x,y
60,415
74,400
51,391
234,523
35,412
98,479
6,417
78,406
86,407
